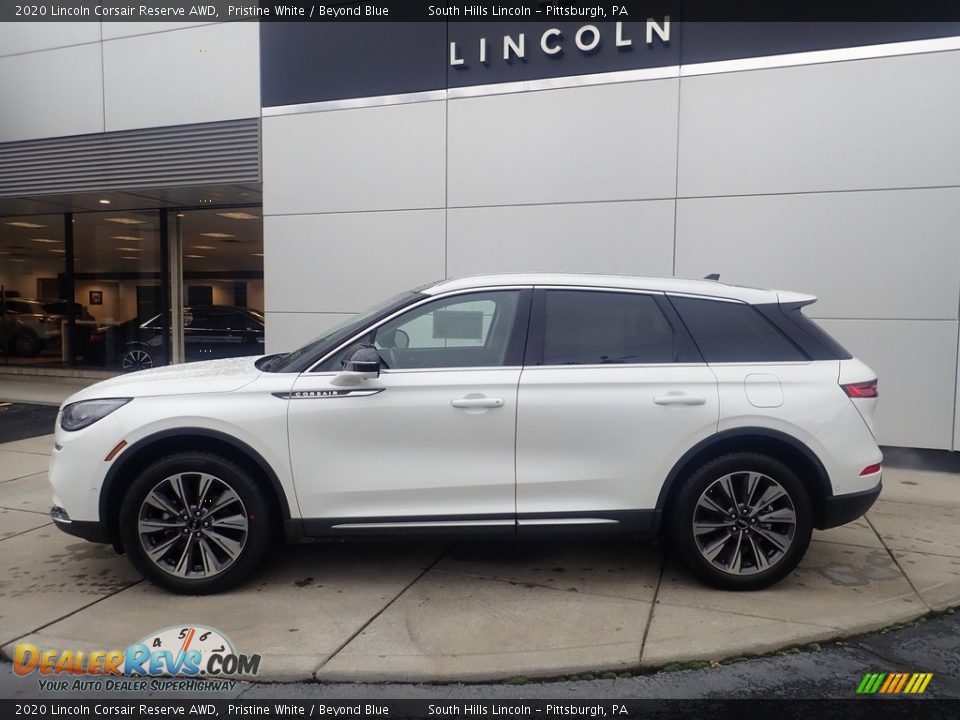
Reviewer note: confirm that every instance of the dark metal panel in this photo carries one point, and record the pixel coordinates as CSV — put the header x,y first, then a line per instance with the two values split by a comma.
x,y
711,41
303,63
310,62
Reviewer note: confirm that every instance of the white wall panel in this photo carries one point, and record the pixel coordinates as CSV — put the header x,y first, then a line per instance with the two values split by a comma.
x,y
346,262
613,237
51,93
916,364
201,74
380,158
287,331
956,404
888,254
21,37
113,30
609,142
887,122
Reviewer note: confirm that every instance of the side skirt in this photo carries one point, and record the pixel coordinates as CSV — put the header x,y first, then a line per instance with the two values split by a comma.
x,y
611,522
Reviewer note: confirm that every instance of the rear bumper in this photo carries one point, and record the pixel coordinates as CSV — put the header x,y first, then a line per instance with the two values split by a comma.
x,y
92,530
841,509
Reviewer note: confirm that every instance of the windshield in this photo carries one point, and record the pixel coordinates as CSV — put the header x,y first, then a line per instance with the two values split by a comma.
x,y
302,358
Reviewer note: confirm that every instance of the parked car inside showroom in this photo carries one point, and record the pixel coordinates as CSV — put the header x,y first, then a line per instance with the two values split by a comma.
x,y
209,332
514,405
31,326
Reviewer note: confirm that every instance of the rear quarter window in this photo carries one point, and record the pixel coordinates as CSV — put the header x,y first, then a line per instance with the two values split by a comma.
x,y
734,332
811,337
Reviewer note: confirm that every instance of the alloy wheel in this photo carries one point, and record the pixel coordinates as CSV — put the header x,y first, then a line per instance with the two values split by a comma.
x,y
137,360
193,525
744,523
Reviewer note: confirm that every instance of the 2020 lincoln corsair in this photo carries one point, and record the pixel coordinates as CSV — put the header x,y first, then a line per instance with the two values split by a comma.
x,y
717,415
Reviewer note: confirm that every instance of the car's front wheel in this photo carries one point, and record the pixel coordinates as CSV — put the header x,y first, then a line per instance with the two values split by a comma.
x,y
742,521
195,523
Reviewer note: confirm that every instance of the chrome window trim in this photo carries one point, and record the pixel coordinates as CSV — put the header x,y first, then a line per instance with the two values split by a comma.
x,y
610,366
695,296
601,288
764,363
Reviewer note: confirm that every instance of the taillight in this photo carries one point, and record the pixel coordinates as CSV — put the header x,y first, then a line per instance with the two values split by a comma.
x,y
871,469
861,389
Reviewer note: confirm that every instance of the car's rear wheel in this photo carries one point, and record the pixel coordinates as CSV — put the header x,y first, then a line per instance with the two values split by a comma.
x,y
195,523
137,358
742,521
26,344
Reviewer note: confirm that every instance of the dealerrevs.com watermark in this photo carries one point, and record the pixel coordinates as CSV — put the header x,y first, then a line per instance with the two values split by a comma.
x,y
191,658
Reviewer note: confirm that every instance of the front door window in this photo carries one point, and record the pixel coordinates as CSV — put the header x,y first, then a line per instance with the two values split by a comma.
x,y
472,330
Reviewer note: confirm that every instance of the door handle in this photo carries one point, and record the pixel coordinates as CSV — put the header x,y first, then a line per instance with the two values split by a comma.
x,y
477,402
679,399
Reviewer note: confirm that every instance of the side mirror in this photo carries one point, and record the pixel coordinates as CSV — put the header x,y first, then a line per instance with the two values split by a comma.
x,y
362,364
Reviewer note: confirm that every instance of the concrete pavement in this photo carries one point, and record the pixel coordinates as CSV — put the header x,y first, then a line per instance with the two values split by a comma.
x,y
41,389
831,672
480,610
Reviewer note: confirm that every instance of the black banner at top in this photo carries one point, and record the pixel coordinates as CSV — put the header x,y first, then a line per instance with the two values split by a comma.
x,y
482,11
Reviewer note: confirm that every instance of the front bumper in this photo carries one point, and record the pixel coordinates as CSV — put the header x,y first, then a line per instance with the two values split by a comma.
x,y
840,509
92,530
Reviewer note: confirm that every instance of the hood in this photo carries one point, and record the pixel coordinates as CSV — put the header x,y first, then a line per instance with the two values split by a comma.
x,y
208,376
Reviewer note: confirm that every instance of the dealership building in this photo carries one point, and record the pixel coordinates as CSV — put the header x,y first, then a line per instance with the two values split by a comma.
x,y
309,170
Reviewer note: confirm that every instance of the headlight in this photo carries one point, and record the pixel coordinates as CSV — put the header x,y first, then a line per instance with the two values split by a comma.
x,y
79,415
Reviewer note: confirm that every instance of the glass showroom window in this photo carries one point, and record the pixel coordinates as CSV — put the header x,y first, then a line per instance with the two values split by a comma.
x,y
118,283
222,262
33,307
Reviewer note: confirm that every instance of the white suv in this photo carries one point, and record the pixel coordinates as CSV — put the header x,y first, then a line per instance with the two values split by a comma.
x,y
513,405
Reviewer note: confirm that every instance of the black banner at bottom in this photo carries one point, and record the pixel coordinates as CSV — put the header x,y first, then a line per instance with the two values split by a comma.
x,y
874,709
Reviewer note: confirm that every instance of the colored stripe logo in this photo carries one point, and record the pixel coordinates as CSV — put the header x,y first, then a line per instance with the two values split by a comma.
x,y
894,683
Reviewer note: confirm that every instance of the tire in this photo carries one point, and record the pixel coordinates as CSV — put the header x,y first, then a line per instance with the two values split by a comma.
x,y
743,553
26,344
136,358
221,553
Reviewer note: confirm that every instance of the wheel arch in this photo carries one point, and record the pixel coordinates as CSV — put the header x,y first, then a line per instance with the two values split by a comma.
x,y
747,439
139,455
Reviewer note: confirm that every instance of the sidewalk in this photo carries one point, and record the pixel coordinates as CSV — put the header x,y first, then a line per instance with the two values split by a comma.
x,y
40,389
479,610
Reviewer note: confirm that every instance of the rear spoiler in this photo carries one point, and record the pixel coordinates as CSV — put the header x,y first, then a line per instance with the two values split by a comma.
x,y
785,297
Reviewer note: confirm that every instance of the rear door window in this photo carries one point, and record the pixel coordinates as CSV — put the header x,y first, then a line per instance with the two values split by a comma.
x,y
586,327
